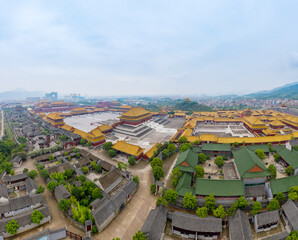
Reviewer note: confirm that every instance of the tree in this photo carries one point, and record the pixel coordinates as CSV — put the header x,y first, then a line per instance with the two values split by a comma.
x,y
162,201
107,146
210,202
32,174
136,180
64,205
68,173
276,157
202,212
241,203
280,197
289,170
83,141
96,193
293,193
132,160
51,158
36,217
171,147
39,167
76,150
98,169
272,170
66,154
293,235
219,161
153,188
93,165
12,227
273,205
51,185
139,236
184,147
176,173
256,206
89,144
202,158
260,154
44,173
40,189
85,170
219,212
62,138
156,162
8,167
182,140
11,172
196,142
158,173
25,170
200,172
189,201
165,153
112,153
171,196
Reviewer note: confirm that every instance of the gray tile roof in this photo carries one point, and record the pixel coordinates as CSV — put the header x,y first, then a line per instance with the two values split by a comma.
x,y
239,226
30,185
61,192
255,191
3,191
110,178
192,222
97,202
16,159
155,223
129,187
267,217
278,236
13,178
291,211
103,212
118,199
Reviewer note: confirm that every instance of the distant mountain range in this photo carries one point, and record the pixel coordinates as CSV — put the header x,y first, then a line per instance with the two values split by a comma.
x,y
19,94
287,91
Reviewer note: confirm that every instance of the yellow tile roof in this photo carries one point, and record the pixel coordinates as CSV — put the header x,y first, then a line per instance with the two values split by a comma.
x,y
126,106
151,151
67,128
208,137
54,116
128,148
276,123
104,127
136,112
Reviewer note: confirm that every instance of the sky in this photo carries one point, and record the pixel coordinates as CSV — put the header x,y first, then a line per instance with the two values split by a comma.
x,y
151,47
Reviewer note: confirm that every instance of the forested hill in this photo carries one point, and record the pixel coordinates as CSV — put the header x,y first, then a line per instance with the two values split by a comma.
x,y
191,106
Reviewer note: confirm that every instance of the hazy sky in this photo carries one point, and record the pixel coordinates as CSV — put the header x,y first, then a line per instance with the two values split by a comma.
x,y
148,47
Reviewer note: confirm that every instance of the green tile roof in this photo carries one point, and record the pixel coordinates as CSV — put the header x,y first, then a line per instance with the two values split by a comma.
x,y
186,169
220,188
216,147
184,184
263,147
283,184
245,160
290,157
197,149
189,156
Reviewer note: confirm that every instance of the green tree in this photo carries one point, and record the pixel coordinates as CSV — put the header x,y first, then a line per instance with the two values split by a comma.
x,y
132,160
185,146
39,167
112,153
202,212
256,207
241,203
182,140
210,202
44,173
189,201
219,212
289,170
162,201
98,169
153,188
219,161
171,196
293,193
12,227
165,153
157,172
11,172
156,162
89,144
293,235
32,174
25,170
107,146
136,180
272,170
280,197
202,158
76,150
200,172
36,216
171,147
85,170
40,189
139,236
68,173
93,165
83,141
96,193
197,142
51,158
276,157
51,185
176,173
273,205
260,154
62,138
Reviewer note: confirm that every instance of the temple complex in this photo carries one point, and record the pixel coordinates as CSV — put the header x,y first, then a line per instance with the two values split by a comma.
x,y
136,116
54,119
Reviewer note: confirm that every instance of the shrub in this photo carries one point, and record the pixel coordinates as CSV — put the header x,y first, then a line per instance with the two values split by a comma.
x,y
85,170
12,227
40,189
219,161
189,201
112,153
289,170
132,161
202,158
256,207
156,162
260,154
202,212
276,157
200,172
25,170
273,205
176,173
153,188
36,217
11,172
107,146
96,193
210,202
136,180
32,174
272,170
171,196
158,173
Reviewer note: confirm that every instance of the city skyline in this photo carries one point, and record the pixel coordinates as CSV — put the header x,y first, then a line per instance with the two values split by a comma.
x,y
164,48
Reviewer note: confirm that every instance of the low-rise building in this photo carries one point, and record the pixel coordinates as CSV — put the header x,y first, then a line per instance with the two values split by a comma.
x,y
239,226
266,221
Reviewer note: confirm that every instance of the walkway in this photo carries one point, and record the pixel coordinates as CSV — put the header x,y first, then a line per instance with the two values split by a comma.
x,y
2,125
